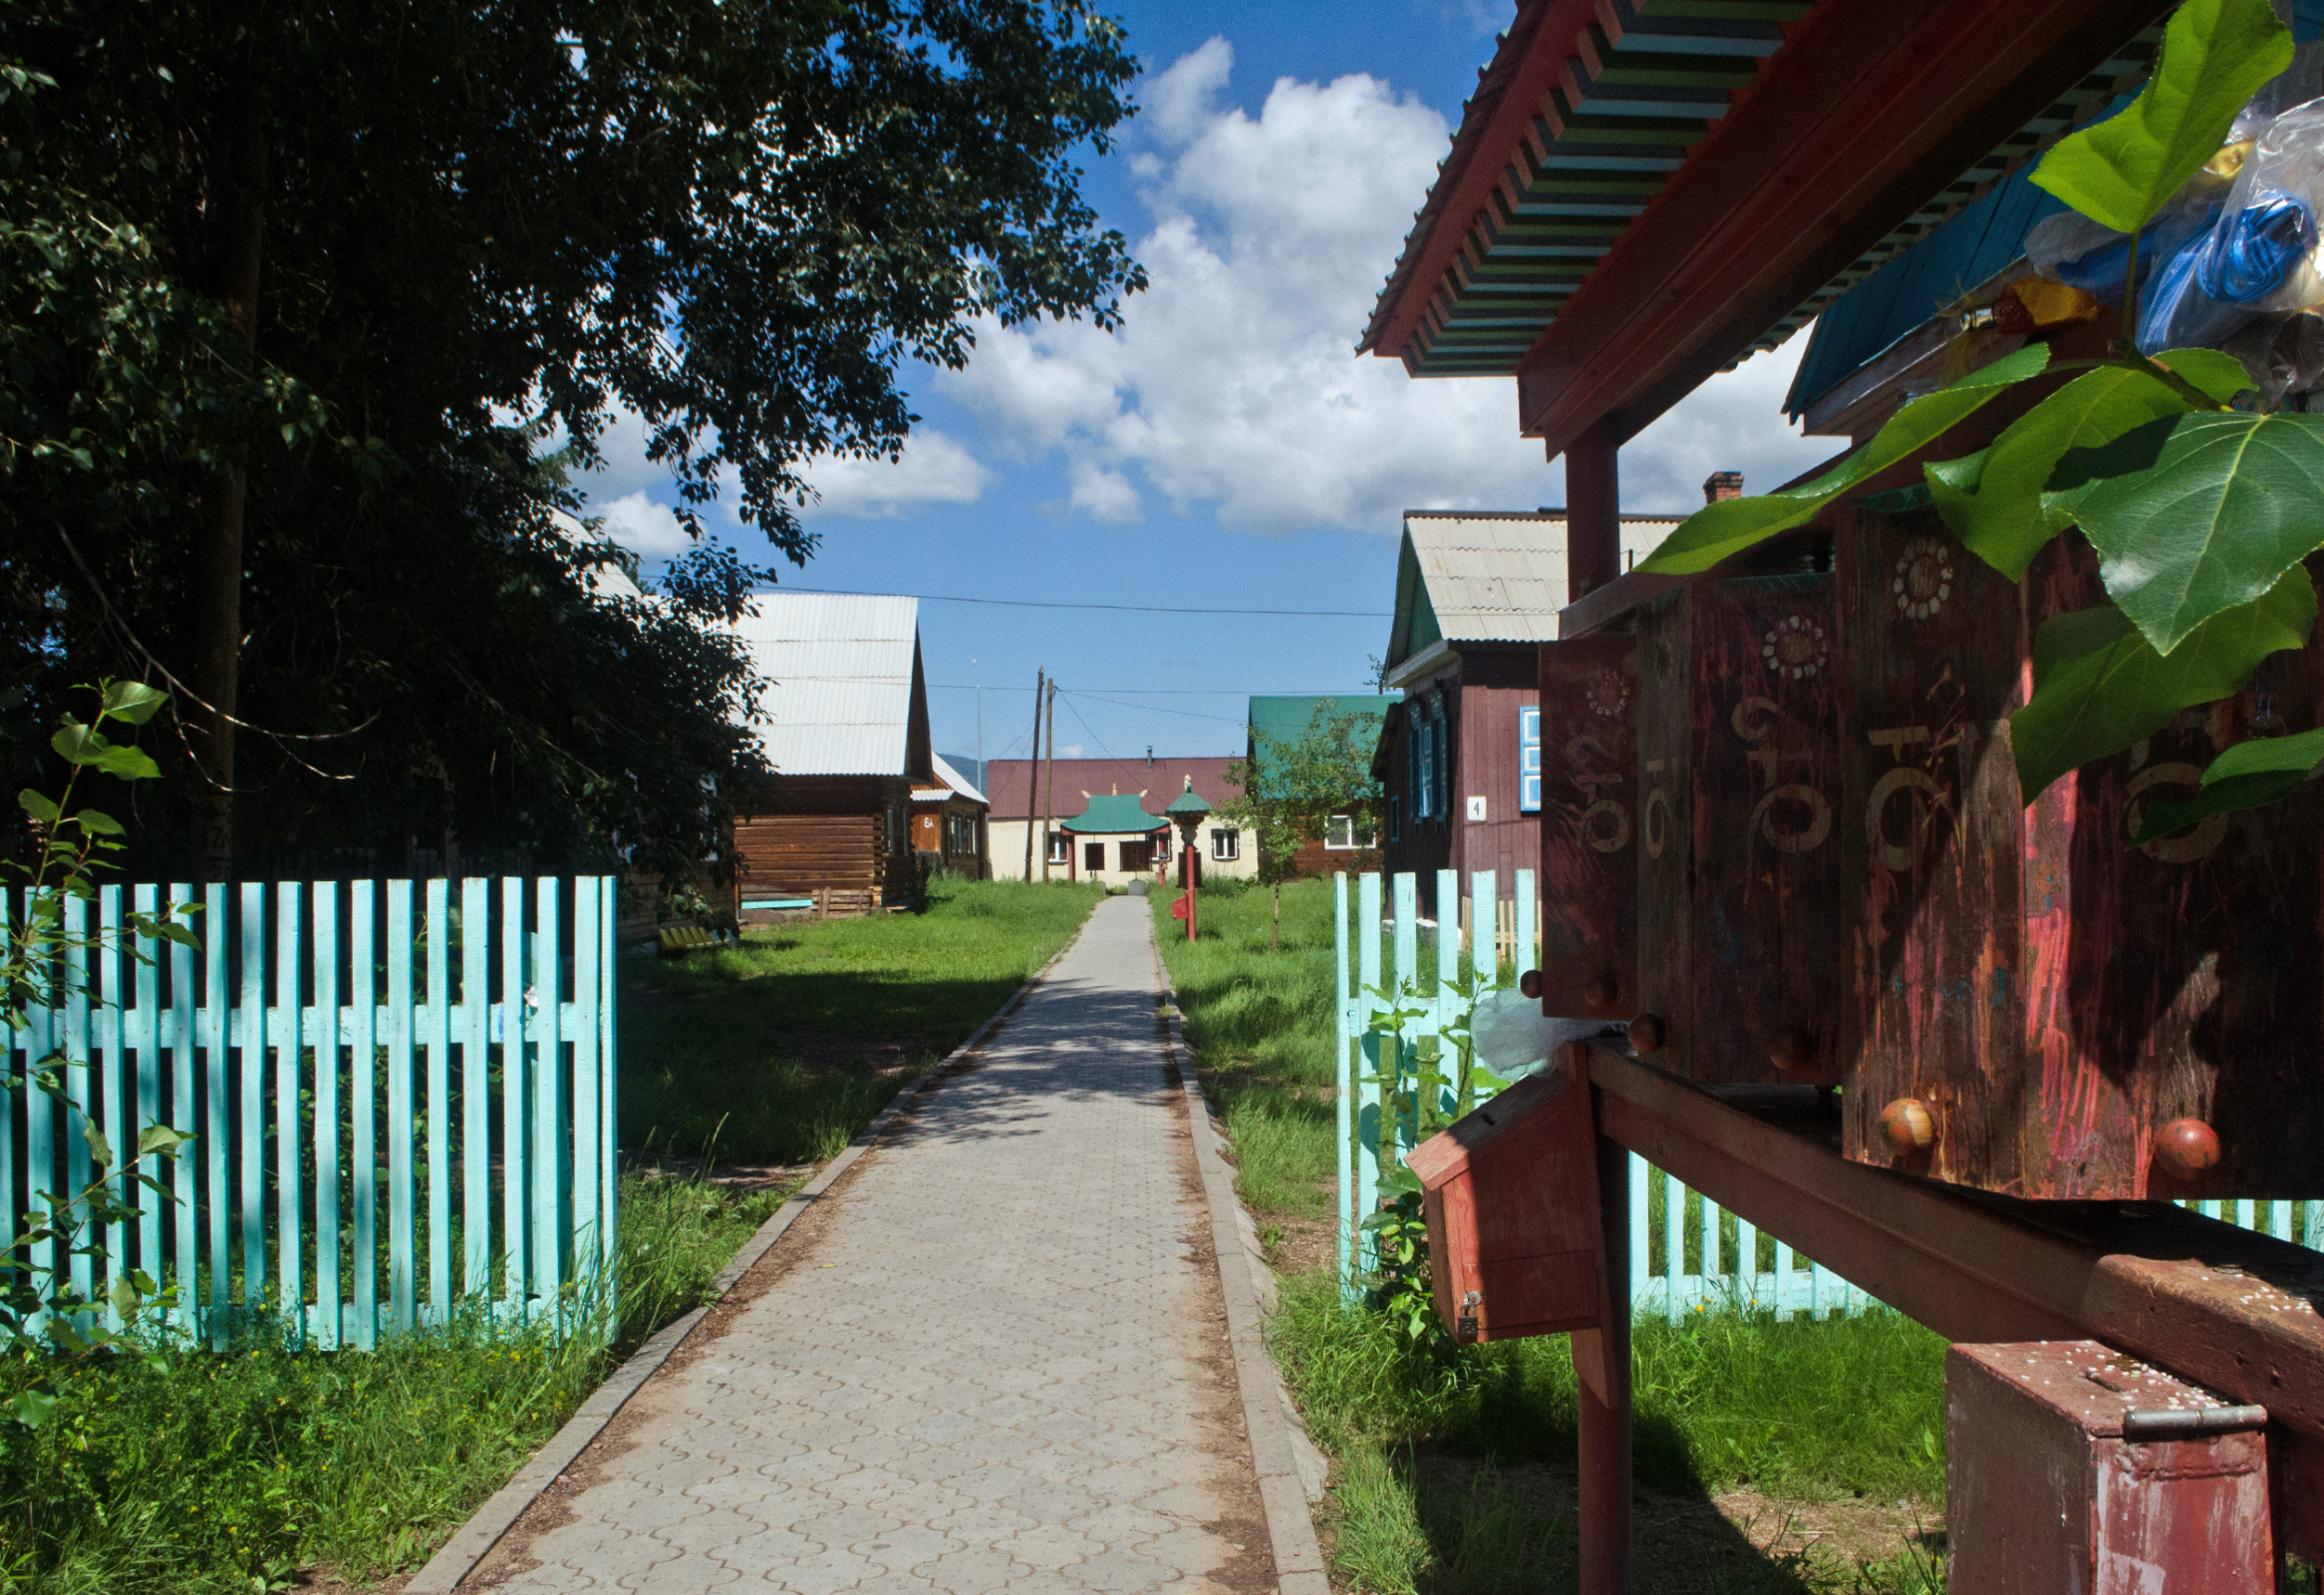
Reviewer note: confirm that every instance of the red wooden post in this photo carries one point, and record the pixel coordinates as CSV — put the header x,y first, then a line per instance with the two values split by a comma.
x,y
1601,1355
1594,526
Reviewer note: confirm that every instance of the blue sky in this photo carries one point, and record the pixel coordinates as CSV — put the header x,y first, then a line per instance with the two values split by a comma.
x,y
1227,449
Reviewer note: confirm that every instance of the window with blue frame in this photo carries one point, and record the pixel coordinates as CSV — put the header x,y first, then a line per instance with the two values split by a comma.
x,y
1528,761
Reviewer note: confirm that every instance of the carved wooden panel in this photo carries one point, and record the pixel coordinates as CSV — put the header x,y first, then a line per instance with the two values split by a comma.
x,y
1589,827
2055,997
1739,922
1931,983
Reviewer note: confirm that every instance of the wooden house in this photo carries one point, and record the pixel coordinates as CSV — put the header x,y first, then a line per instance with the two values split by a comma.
x,y
1477,593
949,824
1030,803
1350,841
844,719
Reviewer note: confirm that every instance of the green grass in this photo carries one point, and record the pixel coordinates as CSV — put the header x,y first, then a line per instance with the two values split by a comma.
x,y
1261,1025
231,1472
780,1050
1802,1410
217,1471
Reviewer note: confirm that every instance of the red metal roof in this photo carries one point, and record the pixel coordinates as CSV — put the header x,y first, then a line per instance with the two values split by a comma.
x,y
1008,783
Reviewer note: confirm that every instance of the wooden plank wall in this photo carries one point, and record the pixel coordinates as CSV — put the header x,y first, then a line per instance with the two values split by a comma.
x,y
1487,765
796,855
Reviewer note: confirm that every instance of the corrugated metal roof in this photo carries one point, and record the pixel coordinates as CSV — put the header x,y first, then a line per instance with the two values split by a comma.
x,y
1016,789
1502,577
953,781
840,668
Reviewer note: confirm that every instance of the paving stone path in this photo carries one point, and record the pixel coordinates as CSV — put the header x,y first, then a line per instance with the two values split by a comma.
x,y
996,1360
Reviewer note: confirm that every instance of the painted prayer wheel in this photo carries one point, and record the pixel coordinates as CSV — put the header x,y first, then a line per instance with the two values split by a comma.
x,y
2084,1018
1589,827
1739,882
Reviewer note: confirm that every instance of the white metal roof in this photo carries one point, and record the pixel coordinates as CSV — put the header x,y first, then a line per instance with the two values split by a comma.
x,y
953,781
839,668
1502,577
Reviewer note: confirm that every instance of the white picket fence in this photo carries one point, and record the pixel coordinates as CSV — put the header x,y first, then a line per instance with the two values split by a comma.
x,y
1733,1266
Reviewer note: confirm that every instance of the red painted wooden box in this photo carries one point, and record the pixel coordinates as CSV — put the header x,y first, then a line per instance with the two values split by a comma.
x,y
1589,827
1511,1196
2054,1010
2072,1467
1739,885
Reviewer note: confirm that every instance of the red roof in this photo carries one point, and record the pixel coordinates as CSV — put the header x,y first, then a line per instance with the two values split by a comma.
x,y
1008,783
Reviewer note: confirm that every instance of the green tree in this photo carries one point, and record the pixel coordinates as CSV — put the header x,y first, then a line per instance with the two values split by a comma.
x,y
1292,788
305,314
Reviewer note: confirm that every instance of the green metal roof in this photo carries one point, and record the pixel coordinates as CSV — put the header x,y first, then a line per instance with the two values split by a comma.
x,y
1115,815
1287,719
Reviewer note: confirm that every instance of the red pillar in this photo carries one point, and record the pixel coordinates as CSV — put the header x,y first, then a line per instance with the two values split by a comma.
x,y
1601,1367
1593,527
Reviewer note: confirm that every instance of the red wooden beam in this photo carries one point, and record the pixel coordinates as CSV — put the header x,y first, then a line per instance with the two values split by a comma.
x,y
1866,111
2218,1306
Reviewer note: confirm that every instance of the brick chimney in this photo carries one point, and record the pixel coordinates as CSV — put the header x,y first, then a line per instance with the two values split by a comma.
x,y
1722,485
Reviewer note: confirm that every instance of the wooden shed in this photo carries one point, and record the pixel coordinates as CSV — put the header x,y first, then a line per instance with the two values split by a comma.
x,y
949,824
1349,841
844,718
1477,593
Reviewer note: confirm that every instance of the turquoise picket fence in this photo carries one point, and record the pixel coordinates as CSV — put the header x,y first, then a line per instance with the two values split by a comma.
x,y
1705,1261
402,1101
1687,1254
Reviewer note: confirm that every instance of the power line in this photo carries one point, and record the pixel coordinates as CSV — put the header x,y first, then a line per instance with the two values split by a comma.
x,y
1127,609
1157,708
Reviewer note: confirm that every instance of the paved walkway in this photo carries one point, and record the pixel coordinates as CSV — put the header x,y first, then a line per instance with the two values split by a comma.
x,y
997,1360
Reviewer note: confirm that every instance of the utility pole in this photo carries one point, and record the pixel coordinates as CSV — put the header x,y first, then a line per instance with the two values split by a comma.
x,y
1049,786
1032,773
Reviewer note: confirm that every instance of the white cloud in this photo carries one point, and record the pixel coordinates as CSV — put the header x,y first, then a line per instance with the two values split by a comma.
x,y
1071,750
1232,380
645,528
935,469
1106,495
1734,422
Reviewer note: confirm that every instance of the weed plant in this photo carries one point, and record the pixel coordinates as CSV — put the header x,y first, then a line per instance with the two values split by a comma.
x,y
217,1471
780,1050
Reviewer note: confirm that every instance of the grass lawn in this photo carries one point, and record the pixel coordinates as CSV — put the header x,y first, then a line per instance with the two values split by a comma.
x,y
778,1051
262,1468
1771,1456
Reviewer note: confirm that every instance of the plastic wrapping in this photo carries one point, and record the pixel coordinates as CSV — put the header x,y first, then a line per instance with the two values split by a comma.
x,y
2264,252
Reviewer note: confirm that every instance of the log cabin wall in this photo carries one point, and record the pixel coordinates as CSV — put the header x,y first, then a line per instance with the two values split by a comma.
x,y
840,835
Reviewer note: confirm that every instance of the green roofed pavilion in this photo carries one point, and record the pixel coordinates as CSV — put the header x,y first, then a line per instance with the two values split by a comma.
x,y
1115,815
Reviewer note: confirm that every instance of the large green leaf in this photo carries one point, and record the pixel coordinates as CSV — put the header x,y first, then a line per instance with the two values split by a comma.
x,y
1716,532
2100,685
2250,775
2003,520
2215,55
2193,515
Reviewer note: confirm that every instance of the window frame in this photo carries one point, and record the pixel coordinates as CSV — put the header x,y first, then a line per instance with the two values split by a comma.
x,y
1529,760
1353,844
1060,846
1229,837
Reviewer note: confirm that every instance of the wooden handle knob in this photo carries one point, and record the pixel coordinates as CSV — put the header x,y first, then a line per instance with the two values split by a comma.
x,y
1646,1034
1602,992
1791,1051
1909,1125
1530,983
2186,1146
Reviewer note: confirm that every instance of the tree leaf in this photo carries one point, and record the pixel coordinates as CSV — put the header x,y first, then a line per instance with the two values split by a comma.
x,y
2004,521
79,743
160,1138
100,1150
2193,515
2215,55
98,822
129,764
39,806
2250,775
2212,371
1717,531
133,701
31,1407
2100,685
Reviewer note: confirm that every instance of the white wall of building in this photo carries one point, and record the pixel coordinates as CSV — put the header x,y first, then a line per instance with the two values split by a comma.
x,y
1007,840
